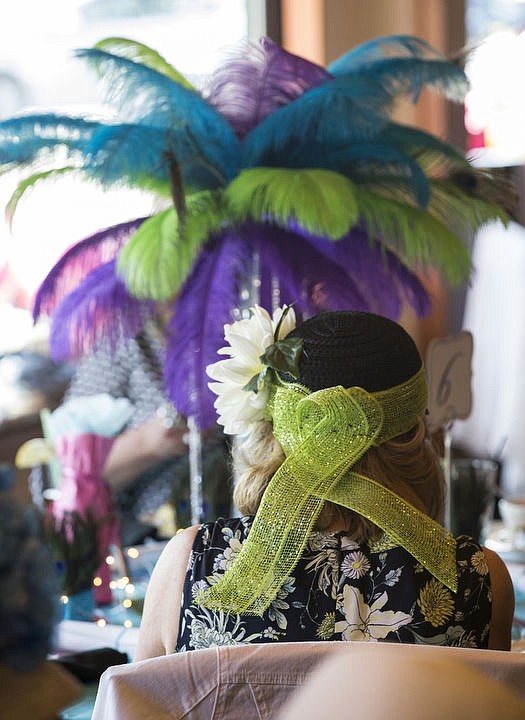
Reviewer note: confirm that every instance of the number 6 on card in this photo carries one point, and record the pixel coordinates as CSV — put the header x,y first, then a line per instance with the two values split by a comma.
x,y
449,371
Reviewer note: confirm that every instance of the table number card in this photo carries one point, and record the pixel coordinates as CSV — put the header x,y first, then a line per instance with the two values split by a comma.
x,y
449,370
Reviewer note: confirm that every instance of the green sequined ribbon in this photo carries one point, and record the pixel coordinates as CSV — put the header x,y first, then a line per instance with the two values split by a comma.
x,y
323,434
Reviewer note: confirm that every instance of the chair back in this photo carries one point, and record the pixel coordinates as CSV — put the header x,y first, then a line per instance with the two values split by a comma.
x,y
257,680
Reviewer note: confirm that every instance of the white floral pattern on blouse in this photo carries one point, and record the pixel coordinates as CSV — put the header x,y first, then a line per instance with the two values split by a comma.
x,y
340,590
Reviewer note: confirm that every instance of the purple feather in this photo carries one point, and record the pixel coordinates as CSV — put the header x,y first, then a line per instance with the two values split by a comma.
x,y
304,275
313,273
376,272
100,308
196,330
78,262
255,84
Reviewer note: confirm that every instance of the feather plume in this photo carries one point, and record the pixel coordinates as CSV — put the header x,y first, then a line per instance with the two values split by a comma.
x,y
128,154
156,260
355,107
367,161
355,272
383,47
314,284
417,237
100,307
320,200
405,64
195,331
24,139
460,210
493,186
351,273
79,261
378,274
143,55
150,98
405,75
206,214
28,184
295,165
258,80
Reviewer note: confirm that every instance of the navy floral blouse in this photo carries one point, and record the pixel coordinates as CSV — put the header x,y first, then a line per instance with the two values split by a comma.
x,y
341,590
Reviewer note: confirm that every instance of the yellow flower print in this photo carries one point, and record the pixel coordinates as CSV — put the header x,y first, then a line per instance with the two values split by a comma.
x,y
480,563
436,603
327,627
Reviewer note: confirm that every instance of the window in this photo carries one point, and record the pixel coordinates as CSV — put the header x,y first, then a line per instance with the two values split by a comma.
x,y
38,72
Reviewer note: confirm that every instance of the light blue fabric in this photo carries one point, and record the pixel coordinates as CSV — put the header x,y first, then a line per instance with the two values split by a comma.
x,y
99,414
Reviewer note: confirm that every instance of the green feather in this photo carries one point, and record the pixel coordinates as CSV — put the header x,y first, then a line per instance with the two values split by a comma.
x,y
462,211
206,213
28,183
157,258
144,55
151,184
321,201
418,237
149,263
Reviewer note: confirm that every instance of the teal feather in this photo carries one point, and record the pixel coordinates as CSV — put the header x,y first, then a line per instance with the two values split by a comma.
x,y
23,139
149,97
355,108
142,92
365,161
417,142
139,156
410,75
126,153
405,64
140,53
378,48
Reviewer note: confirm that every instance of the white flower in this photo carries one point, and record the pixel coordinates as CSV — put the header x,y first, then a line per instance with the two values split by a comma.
x,y
224,560
198,587
363,622
209,629
271,633
355,565
238,409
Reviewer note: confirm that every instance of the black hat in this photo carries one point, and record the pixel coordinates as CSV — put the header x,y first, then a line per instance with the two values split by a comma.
x,y
354,348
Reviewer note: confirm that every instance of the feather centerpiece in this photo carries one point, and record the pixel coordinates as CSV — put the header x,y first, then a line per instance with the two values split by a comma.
x,y
276,159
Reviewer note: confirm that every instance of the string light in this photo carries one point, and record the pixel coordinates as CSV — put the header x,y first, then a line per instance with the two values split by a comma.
x,y
126,594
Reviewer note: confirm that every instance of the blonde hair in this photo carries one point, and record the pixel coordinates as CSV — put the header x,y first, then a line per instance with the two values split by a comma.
x,y
408,465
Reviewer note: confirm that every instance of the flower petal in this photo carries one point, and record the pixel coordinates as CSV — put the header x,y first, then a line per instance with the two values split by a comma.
x,y
239,408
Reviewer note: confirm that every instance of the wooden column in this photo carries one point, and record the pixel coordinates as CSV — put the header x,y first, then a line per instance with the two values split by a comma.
x,y
322,30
